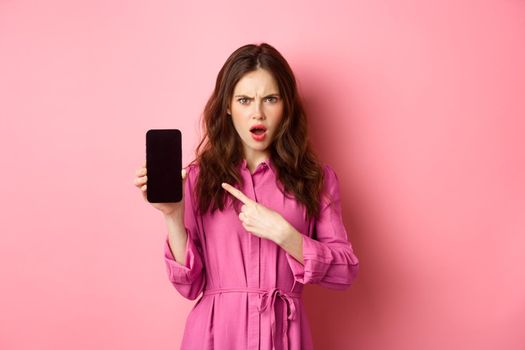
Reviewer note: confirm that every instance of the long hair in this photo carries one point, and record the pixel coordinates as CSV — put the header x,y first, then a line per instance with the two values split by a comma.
x,y
220,150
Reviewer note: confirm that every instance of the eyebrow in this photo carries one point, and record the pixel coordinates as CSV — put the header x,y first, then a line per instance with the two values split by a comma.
x,y
270,95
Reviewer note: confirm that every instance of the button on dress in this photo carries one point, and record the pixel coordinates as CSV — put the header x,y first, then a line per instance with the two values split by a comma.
x,y
249,287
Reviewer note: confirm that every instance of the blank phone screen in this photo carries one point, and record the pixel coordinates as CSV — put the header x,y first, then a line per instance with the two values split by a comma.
x,y
164,165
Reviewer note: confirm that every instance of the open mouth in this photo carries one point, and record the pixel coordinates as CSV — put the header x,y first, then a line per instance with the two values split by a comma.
x,y
258,129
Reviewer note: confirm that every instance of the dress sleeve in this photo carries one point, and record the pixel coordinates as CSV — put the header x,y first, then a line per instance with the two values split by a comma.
x,y
189,278
328,256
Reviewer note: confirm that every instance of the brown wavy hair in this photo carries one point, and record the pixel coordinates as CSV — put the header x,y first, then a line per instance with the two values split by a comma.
x,y
220,150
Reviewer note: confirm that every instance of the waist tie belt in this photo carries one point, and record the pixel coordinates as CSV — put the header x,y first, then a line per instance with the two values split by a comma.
x,y
267,298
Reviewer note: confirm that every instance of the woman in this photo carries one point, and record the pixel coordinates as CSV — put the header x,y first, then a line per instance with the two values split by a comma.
x,y
260,216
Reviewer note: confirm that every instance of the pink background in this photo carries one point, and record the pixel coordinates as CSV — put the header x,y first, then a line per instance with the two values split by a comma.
x,y
418,105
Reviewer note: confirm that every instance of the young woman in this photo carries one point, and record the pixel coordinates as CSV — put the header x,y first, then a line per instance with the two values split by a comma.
x,y
260,216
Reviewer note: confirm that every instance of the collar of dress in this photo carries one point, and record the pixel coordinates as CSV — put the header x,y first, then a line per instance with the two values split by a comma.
x,y
265,163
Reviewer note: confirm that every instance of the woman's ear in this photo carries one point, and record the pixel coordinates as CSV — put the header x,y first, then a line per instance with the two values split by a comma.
x,y
228,111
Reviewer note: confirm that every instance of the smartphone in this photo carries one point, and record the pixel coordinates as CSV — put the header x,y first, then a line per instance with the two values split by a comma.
x,y
164,165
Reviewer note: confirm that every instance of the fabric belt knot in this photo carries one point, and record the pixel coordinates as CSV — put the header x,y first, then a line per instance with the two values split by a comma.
x,y
267,300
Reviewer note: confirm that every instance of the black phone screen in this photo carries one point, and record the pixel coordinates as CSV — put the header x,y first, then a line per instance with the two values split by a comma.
x,y
164,165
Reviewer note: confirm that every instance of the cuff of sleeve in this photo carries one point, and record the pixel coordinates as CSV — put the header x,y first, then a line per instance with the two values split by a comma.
x,y
315,261
187,273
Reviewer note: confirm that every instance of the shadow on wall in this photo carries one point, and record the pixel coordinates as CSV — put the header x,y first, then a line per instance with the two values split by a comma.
x,y
337,316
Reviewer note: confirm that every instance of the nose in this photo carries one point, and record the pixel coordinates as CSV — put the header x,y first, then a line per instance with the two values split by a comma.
x,y
258,112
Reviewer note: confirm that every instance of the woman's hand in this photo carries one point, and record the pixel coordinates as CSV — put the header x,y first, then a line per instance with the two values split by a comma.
x,y
176,208
260,220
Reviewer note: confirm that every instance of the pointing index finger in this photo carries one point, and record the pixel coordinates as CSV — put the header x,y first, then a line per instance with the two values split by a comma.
x,y
236,193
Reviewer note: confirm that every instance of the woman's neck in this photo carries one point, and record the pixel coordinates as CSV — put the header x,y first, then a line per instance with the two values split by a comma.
x,y
253,161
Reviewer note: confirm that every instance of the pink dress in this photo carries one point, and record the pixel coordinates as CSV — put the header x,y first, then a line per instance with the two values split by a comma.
x,y
251,288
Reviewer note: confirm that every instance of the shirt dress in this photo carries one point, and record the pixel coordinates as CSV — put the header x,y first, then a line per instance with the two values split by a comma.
x,y
251,287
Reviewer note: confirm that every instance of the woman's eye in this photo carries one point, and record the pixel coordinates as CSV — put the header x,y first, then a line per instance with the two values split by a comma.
x,y
243,100
271,99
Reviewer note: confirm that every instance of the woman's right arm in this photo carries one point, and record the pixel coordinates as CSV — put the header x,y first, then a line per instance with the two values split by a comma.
x,y
173,215
177,236
182,248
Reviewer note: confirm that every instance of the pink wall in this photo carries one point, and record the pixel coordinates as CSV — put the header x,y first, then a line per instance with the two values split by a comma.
x,y
418,106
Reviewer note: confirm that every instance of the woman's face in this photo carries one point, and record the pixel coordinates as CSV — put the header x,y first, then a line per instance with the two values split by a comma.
x,y
256,102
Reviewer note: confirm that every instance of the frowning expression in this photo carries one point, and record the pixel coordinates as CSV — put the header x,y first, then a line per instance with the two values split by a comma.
x,y
256,109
